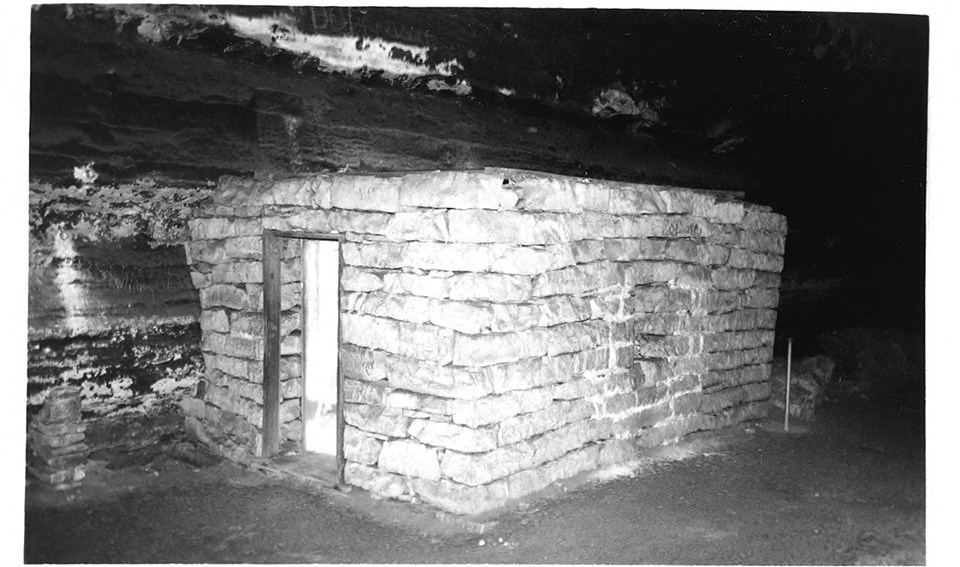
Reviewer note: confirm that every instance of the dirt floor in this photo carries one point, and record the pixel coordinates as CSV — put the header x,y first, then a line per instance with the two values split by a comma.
x,y
850,490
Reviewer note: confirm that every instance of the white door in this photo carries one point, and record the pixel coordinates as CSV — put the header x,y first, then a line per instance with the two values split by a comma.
x,y
321,266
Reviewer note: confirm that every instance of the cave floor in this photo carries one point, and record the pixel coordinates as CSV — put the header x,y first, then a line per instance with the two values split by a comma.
x,y
849,490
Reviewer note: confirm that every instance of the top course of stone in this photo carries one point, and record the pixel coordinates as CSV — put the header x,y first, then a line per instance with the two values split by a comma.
x,y
489,188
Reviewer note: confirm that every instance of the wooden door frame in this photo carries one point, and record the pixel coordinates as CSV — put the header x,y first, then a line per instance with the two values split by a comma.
x,y
272,251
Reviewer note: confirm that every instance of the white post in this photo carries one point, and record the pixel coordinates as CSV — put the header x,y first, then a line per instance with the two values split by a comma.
x,y
786,405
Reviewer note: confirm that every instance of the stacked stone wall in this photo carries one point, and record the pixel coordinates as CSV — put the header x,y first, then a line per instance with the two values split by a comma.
x,y
500,329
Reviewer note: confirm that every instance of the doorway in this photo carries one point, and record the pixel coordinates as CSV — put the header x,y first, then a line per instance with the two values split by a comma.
x,y
320,335
320,383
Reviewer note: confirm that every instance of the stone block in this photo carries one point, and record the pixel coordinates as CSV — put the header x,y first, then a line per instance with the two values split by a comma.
x,y
305,191
524,426
587,251
426,285
766,280
402,307
649,272
246,324
383,484
731,278
530,260
558,309
453,436
373,254
428,406
409,458
468,318
658,371
497,348
721,379
366,193
692,276
670,346
474,470
206,251
221,295
370,393
214,320
454,190
725,212
731,359
716,301
425,342
510,317
576,280
768,298
360,279
360,447
575,337
362,363
770,222
243,248
562,194
616,451
369,331
214,228
290,389
488,287
576,389
376,419
507,227
455,497
636,200
253,297
424,225
434,379
686,404
493,409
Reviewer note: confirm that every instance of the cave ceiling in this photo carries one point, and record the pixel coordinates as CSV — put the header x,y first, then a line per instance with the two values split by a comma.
x,y
186,93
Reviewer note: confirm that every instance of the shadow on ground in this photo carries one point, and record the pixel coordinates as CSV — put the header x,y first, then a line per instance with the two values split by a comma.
x,y
851,490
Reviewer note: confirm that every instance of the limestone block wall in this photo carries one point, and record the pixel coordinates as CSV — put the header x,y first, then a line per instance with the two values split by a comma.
x,y
500,329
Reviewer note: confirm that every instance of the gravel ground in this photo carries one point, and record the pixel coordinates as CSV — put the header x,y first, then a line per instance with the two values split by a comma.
x,y
849,491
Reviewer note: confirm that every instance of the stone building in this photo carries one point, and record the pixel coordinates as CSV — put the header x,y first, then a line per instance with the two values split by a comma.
x,y
469,337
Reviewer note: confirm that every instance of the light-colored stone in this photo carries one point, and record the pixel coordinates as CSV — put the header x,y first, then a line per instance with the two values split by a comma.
x,y
376,419
493,409
488,287
221,295
579,279
452,436
453,190
509,227
360,447
523,426
426,285
469,318
383,484
474,470
496,348
214,320
369,331
360,279
366,193
409,458
425,342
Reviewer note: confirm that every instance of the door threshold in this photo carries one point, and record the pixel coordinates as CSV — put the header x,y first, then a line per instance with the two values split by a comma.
x,y
306,467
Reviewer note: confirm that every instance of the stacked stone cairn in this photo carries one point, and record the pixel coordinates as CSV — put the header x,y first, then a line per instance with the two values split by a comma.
x,y
58,453
500,329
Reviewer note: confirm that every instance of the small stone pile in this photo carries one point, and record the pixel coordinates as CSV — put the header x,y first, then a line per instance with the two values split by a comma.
x,y
56,437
